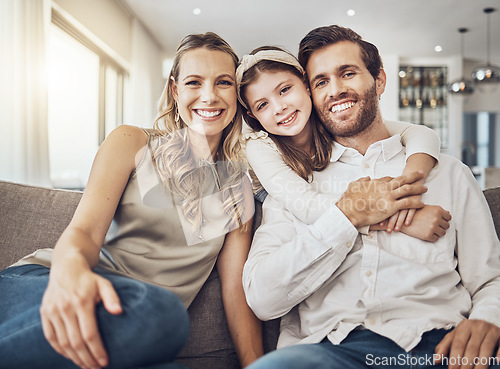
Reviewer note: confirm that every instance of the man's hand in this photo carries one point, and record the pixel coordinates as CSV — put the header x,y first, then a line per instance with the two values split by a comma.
x,y
429,223
471,342
370,201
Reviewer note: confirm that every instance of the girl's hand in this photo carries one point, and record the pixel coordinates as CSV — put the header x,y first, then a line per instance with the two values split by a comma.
x,y
68,314
398,220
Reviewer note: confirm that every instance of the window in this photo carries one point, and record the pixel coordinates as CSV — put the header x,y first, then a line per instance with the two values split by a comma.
x,y
483,140
73,109
479,138
85,102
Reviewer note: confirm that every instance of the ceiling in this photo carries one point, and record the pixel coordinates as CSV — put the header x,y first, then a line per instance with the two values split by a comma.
x,y
408,28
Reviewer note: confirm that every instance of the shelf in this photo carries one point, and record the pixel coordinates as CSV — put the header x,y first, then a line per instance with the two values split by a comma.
x,y
423,98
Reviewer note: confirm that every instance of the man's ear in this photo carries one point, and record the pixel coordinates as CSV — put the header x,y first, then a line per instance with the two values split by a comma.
x,y
173,87
380,82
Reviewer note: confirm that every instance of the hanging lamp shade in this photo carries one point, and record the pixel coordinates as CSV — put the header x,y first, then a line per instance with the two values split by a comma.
x,y
487,74
461,86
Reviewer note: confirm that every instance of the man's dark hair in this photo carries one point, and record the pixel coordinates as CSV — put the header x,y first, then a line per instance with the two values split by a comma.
x,y
325,36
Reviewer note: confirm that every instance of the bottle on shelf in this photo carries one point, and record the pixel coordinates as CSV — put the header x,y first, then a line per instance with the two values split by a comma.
x,y
433,100
422,97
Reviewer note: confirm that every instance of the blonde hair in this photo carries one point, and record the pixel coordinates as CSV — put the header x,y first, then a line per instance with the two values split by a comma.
x,y
174,158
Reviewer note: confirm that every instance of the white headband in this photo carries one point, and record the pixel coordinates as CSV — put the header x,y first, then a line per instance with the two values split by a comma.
x,y
248,61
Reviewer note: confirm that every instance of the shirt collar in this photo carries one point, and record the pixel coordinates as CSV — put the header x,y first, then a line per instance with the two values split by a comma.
x,y
389,148
337,151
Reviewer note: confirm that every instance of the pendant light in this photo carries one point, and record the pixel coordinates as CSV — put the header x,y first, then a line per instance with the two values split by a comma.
x,y
461,86
487,74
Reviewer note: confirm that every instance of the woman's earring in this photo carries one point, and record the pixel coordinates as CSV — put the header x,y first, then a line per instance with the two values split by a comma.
x,y
176,114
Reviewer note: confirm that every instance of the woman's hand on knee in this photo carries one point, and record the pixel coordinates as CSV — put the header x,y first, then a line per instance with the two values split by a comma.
x,y
69,319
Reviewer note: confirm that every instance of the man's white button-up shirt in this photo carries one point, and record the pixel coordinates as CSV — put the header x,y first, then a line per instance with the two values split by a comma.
x,y
325,279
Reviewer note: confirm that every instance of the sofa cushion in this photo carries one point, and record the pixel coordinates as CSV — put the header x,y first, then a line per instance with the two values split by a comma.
x,y
32,218
209,344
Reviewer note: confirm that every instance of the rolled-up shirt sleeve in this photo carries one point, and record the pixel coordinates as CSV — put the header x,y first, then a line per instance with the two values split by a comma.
x,y
289,260
416,138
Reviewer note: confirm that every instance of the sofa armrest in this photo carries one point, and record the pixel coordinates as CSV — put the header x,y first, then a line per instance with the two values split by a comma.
x,y
493,198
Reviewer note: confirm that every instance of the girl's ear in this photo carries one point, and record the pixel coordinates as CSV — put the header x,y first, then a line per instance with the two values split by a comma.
x,y
173,86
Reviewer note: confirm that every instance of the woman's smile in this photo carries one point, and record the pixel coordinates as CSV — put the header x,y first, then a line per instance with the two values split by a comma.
x,y
209,114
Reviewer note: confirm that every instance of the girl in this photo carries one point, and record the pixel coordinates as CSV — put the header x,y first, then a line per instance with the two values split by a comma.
x,y
180,203
284,152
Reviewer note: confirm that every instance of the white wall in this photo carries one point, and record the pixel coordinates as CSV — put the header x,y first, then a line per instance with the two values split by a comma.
x,y
455,109
389,103
146,78
107,19
479,100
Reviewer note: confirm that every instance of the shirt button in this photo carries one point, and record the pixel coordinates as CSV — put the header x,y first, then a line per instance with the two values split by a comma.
x,y
368,273
371,321
348,244
369,235
367,165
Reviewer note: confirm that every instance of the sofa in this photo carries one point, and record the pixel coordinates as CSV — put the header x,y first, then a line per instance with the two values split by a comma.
x,y
33,217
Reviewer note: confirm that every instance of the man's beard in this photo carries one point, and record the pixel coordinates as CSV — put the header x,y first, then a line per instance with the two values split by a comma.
x,y
368,111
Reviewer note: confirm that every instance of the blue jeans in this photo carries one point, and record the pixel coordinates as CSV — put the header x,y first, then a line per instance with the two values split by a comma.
x,y
152,329
361,349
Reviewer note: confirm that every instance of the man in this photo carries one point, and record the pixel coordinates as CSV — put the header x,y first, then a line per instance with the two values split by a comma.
x,y
350,300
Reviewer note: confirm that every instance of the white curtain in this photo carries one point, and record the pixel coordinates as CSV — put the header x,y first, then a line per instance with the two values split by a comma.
x,y
24,154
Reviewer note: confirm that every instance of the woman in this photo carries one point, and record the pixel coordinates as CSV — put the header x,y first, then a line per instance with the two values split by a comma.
x,y
180,202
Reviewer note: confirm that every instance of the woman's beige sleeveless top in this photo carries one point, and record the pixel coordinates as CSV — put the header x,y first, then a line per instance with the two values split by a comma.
x,y
151,240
